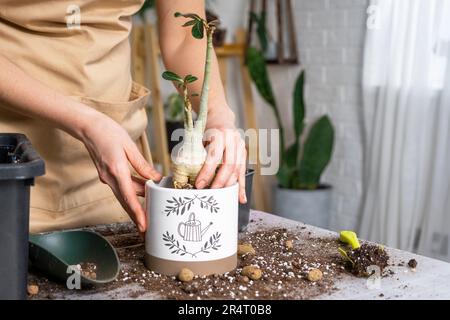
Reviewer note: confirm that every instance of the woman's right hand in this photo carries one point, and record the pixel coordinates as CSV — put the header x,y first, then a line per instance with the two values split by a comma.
x,y
108,143
112,151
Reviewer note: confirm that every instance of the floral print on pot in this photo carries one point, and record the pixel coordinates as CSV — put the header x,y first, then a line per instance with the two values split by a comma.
x,y
190,228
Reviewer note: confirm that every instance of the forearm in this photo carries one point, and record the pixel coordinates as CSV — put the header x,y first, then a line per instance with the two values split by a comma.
x,y
185,55
23,94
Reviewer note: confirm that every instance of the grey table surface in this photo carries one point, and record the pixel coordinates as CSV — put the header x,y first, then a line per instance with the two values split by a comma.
x,y
431,280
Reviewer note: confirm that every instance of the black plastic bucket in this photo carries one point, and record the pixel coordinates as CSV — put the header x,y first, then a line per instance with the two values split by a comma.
x,y
19,164
244,209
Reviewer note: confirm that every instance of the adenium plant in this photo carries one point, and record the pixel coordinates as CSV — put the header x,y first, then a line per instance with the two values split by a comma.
x,y
192,154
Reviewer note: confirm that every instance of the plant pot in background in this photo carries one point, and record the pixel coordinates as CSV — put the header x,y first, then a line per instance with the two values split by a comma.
x,y
308,206
244,209
19,164
171,126
190,228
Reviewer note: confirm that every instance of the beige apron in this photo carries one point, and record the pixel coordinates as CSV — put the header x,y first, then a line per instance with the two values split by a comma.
x,y
90,64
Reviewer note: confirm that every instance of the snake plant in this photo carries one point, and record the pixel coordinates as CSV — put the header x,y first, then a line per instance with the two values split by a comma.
x,y
301,164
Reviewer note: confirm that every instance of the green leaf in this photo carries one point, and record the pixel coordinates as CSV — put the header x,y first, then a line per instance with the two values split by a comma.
x,y
350,238
291,155
190,23
190,78
299,105
345,255
261,30
254,17
197,30
187,15
171,76
256,64
316,153
284,175
287,173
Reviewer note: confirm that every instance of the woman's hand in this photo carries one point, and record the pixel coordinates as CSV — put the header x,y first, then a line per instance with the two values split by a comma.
x,y
112,151
226,149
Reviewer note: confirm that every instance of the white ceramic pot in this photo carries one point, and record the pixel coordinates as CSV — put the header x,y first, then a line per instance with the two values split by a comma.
x,y
195,229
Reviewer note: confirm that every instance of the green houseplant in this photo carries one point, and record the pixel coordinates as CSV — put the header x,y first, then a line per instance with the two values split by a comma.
x,y
301,164
266,43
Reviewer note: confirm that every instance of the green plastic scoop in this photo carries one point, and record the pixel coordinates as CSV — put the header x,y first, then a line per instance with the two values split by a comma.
x,y
52,254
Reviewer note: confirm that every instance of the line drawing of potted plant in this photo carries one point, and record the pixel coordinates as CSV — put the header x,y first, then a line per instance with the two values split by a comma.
x,y
192,229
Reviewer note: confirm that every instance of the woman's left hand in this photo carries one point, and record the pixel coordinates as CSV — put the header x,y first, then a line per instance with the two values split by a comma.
x,y
226,150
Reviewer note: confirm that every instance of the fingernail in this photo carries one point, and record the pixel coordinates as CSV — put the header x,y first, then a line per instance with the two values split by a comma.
x,y
157,177
201,184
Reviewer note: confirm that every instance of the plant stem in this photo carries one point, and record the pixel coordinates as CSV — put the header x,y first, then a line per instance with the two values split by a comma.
x,y
203,108
192,154
188,123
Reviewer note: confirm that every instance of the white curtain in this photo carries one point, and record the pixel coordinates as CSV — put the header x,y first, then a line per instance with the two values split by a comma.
x,y
406,90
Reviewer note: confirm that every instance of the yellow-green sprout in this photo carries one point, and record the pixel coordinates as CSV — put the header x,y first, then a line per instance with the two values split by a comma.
x,y
350,238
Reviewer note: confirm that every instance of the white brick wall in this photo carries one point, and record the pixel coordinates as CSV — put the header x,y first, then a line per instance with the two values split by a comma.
x,y
330,37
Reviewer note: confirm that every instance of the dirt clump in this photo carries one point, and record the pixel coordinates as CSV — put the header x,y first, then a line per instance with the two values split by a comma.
x,y
88,270
365,256
412,263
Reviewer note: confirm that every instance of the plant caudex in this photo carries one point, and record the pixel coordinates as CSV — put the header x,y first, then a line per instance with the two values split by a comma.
x,y
192,154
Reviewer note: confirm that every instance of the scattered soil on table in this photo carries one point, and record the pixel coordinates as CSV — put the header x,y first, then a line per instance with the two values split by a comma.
x,y
367,255
412,263
284,269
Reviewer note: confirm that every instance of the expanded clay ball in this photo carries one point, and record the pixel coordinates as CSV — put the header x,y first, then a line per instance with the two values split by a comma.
x,y
315,275
185,275
253,272
32,289
289,244
245,248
